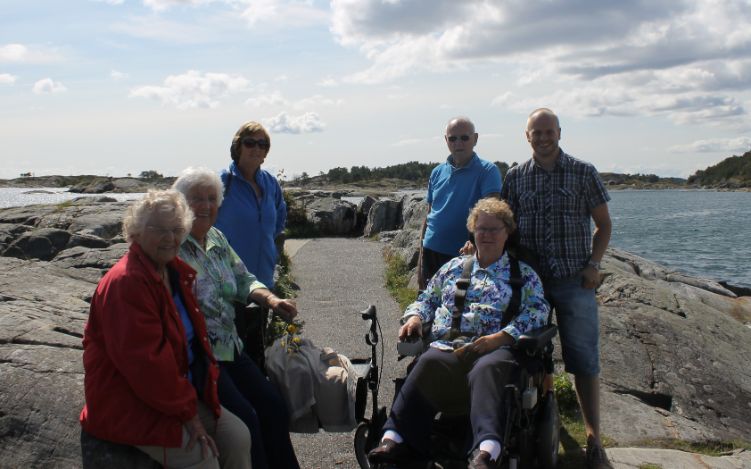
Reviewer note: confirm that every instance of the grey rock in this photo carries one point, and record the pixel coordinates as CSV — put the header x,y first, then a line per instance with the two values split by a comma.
x,y
384,215
97,186
96,453
332,216
42,244
414,210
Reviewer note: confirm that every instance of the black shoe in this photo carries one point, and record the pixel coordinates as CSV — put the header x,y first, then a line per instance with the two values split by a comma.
x,y
389,451
481,460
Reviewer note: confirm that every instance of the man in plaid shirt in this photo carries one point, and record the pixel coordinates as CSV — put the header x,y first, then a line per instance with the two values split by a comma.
x,y
554,196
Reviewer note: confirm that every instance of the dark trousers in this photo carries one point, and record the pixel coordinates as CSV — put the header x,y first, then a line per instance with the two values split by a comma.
x,y
432,261
246,392
441,382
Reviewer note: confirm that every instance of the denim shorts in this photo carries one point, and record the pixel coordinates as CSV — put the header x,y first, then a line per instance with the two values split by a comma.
x,y
578,324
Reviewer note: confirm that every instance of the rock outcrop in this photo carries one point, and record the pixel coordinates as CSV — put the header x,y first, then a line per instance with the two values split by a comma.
x,y
675,349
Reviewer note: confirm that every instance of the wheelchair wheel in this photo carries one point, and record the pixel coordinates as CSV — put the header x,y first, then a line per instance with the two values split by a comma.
x,y
361,444
548,433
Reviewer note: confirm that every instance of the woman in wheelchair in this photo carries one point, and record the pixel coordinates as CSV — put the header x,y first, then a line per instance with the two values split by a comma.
x,y
469,360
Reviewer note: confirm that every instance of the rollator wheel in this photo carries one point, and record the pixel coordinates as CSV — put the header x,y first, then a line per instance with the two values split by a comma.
x,y
361,444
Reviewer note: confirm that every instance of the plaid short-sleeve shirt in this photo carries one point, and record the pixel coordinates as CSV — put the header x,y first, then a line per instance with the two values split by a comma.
x,y
553,211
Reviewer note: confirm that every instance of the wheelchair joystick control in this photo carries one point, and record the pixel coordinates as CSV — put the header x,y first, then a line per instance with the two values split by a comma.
x,y
410,347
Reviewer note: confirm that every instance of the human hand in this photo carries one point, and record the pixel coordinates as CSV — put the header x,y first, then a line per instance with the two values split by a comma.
x,y
198,434
468,249
412,327
485,344
286,309
590,277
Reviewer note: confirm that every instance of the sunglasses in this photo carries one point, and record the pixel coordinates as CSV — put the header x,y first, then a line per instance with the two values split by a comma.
x,y
262,143
463,138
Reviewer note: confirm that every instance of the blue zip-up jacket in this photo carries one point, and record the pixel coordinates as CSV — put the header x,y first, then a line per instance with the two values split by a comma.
x,y
251,224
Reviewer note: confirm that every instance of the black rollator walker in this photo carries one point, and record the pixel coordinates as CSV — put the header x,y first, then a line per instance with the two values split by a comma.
x,y
531,435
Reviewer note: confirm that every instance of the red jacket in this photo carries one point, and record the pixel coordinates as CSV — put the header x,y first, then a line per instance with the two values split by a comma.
x,y
135,356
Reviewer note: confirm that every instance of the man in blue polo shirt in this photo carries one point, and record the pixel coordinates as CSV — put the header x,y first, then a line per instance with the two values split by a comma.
x,y
454,188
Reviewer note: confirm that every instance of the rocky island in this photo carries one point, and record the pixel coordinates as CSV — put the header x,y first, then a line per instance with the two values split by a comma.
x,y
675,349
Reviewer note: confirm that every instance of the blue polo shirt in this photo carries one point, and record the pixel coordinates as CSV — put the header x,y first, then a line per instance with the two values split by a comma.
x,y
452,192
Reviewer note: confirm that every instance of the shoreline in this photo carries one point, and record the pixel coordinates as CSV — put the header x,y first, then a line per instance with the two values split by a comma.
x,y
99,184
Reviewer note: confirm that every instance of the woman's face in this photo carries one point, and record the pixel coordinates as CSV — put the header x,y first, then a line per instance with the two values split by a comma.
x,y
253,149
161,237
490,236
203,201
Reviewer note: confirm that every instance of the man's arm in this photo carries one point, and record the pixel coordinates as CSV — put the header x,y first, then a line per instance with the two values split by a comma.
x,y
600,241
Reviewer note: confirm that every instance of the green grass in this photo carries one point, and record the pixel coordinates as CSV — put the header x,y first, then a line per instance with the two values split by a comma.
x,y
298,225
649,465
709,448
397,279
63,205
285,286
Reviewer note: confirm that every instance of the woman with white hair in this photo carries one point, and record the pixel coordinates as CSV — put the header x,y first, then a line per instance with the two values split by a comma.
x,y
222,280
150,375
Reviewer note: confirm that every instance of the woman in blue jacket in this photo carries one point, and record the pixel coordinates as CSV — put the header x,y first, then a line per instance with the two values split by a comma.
x,y
253,213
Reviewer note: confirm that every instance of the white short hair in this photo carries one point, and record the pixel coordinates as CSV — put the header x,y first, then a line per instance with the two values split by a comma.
x,y
165,202
199,177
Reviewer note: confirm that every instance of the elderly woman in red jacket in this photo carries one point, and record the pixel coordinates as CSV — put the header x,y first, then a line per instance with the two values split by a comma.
x,y
150,376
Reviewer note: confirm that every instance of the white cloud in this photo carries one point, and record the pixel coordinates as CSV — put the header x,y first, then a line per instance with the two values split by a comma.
x,y
110,2
328,82
117,75
7,79
715,145
275,98
157,28
304,123
48,86
193,89
407,142
281,13
606,58
21,53
162,5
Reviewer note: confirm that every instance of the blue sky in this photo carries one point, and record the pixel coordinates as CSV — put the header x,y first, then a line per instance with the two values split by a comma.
x,y
113,87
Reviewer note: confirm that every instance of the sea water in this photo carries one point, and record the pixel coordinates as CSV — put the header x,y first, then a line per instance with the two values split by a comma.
x,y
18,196
702,233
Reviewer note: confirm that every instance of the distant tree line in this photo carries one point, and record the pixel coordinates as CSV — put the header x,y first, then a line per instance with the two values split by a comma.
x,y
732,172
411,171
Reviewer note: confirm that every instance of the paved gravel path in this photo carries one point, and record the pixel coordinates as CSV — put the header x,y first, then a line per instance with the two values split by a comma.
x,y
338,278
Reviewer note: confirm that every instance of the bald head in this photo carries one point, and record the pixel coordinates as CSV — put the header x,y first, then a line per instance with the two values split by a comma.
x,y
543,133
460,121
543,111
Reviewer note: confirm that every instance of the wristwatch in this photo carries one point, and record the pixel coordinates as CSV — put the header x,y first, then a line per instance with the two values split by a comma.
x,y
594,264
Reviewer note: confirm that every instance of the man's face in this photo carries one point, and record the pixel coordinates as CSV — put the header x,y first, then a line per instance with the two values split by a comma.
x,y
461,140
543,134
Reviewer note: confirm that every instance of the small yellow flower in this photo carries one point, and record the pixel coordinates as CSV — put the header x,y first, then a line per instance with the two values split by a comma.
x,y
292,329
297,341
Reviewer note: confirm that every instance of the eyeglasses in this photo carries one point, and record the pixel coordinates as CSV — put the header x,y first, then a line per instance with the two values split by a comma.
x,y
463,138
491,231
262,143
162,232
211,200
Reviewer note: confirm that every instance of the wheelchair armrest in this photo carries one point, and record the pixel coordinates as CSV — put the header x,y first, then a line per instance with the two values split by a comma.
x,y
534,340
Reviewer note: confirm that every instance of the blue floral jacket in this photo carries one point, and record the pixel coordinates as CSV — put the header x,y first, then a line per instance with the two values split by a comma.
x,y
488,296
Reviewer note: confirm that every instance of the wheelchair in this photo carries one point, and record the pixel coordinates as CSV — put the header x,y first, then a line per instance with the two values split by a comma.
x,y
531,436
